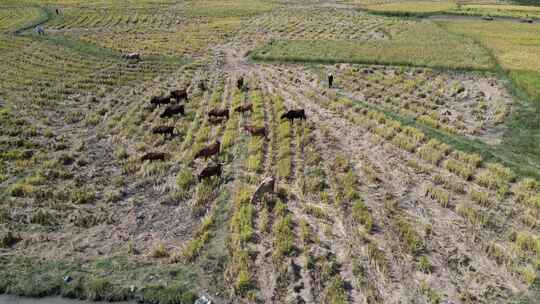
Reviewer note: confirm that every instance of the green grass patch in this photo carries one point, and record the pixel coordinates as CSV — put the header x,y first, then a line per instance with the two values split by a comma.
x,y
411,8
417,43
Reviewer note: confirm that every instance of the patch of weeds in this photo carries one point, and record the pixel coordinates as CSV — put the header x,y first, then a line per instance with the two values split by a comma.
x,y
474,216
171,294
412,241
424,265
317,212
440,195
495,176
283,238
101,289
82,196
463,170
362,215
480,197
185,179
432,296
377,258
334,292
159,251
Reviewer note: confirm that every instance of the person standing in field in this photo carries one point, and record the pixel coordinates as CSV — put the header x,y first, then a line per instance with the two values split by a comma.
x,y
40,30
330,80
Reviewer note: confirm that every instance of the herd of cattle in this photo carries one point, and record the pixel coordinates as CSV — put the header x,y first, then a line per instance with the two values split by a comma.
x,y
214,116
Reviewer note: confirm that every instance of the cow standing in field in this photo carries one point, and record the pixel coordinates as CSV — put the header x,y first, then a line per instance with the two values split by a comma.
x,y
179,95
219,113
294,114
216,120
159,100
132,56
265,187
209,171
165,130
240,83
170,111
209,150
244,108
151,156
256,131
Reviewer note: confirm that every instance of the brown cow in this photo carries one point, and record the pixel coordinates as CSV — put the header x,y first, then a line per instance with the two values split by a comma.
x,y
219,113
209,150
170,111
256,131
151,156
159,100
179,95
216,120
165,130
244,108
209,171
294,114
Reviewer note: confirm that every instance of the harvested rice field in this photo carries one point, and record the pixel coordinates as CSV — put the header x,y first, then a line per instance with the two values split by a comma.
x,y
242,151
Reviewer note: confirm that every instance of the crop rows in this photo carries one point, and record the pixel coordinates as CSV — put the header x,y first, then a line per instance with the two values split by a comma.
x,y
479,213
113,19
11,19
313,24
437,100
71,75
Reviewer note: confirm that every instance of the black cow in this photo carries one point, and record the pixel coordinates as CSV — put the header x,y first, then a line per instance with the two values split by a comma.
x,y
209,171
179,95
219,113
159,100
170,111
294,114
165,130
151,156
